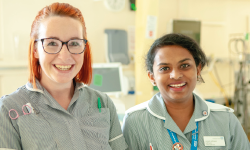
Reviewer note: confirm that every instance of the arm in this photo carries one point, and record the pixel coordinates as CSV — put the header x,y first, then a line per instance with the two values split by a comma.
x,y
130,134
116,138
238,137
9,138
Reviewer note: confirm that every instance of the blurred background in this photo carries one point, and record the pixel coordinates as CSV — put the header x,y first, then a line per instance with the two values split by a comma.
x,y
121,32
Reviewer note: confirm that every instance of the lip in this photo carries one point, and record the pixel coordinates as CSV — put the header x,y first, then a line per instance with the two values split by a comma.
x,y
179,82
177,89
63,71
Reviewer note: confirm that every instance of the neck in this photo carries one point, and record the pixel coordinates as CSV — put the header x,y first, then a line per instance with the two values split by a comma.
x,y
62,93
180,112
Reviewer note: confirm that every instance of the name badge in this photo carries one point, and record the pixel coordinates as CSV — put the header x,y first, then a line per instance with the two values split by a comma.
x,y
214,141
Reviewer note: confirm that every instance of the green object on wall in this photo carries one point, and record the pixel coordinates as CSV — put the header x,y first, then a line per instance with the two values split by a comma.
x,y
98,80
246,36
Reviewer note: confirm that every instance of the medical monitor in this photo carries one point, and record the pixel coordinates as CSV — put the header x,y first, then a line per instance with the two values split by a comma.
x,y
107,78
191,28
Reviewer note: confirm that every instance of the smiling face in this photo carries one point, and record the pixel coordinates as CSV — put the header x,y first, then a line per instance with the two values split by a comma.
x,y
63,66
174,73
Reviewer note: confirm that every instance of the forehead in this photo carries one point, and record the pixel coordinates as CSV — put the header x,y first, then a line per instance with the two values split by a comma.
x,y
61,27
172,54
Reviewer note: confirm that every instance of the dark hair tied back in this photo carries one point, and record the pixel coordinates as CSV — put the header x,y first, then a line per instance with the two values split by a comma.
x,y
180,40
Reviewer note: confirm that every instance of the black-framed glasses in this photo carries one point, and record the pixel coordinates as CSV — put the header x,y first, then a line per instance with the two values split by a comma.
x,y
54,46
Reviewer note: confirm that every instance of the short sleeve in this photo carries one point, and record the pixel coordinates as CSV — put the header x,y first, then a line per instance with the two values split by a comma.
x,y
9,137
116,138
130,134
238,137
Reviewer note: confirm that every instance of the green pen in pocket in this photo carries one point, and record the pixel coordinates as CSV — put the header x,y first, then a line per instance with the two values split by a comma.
x,y
99,104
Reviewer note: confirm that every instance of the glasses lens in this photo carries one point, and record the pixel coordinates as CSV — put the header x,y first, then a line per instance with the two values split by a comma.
x,y
52,45
76,46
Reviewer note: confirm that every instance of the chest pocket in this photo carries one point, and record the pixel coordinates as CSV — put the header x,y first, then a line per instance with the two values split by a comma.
x,y
95,128
35,133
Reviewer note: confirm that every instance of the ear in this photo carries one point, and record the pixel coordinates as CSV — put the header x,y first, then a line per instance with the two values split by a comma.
x,y
35,51
151,78
199,70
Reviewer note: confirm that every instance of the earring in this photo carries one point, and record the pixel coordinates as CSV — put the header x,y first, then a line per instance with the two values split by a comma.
x,y
200,79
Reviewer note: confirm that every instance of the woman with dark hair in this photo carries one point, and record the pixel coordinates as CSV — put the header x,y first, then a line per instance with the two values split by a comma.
x,y
176,118
55,110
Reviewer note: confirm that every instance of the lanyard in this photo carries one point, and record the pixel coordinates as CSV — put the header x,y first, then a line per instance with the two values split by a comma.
x,y
194,143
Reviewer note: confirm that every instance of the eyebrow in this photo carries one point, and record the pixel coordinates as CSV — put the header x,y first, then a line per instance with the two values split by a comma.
x,y
163,64
54,37
181,61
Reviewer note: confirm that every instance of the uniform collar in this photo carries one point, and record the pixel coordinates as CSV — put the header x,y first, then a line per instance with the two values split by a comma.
x,y
50,100
202,110
40,89
157,108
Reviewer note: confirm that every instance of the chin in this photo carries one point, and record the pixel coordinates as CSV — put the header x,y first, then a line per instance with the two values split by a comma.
x,y
180,97
61,80
177,97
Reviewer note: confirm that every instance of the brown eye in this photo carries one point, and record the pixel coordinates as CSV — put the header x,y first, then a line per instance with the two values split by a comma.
x,y
185,66
164,68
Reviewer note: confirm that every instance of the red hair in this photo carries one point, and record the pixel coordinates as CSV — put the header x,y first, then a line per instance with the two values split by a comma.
x,y
58,9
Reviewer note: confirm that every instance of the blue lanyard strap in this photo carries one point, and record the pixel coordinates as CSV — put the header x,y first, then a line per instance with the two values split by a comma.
x,y
173,136
194,143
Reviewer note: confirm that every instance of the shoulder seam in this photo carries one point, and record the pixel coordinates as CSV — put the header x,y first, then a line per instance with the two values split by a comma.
x,y
218,107
141,106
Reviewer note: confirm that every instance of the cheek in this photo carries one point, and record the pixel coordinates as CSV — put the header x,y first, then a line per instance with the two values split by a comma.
x,y
79,59
162,79
193,73
193,77
45,58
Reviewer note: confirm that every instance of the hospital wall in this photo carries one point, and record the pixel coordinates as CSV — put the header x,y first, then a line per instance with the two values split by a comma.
x,y
220,18
16,17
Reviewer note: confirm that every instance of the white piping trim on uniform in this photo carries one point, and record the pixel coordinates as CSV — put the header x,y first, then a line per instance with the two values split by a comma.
x,y
142,106
116,138
35,90
220,110
6,149
204,117
137,107
82,86
214,107
210,107
218,107
152,113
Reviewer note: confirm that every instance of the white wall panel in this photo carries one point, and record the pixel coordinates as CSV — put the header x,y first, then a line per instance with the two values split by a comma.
x,y
11,79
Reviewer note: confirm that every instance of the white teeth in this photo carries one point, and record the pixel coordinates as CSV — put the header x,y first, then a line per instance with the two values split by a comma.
x,y
61,67
177,85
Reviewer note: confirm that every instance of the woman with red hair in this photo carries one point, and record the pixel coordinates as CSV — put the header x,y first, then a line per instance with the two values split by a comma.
x,y
55,110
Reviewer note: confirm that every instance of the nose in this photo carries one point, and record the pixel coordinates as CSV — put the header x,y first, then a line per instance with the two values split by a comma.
x,y
175,74
64,53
